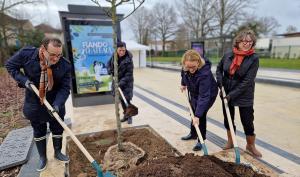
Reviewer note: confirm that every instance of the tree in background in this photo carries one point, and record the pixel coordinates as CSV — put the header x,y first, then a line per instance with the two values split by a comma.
x,y
182,37
141,25
112,13
6,27
291,29
261,26
165,22
197,15
228,15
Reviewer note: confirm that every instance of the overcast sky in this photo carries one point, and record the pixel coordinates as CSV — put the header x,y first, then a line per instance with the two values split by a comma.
x,y
286,12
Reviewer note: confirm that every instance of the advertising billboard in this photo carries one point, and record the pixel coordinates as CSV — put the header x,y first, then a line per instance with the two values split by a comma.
x,y
91,48
199,47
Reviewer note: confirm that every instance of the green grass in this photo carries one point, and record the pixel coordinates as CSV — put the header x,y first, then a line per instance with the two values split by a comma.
x,y
263,62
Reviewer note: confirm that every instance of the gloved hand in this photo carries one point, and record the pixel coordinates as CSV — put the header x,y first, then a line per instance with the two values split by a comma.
x,y
55,109
28,86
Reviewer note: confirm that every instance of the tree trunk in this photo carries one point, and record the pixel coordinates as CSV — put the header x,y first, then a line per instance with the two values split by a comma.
x,y
115,78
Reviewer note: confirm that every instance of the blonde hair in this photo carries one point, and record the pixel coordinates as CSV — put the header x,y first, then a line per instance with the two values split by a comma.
x,y
192,55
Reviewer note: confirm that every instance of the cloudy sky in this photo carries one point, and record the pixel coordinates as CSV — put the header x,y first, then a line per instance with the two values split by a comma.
x,y
286,12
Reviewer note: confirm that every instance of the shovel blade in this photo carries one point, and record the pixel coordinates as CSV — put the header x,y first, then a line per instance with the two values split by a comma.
x,y
131,110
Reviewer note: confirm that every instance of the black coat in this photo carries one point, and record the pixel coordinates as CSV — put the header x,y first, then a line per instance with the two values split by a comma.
x,y
125,74
202,87
241,86
28,60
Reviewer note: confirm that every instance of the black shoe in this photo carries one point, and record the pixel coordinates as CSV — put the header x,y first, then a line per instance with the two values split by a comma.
x,y
124,119
197,147
42,164
57,144
61,157
189,137
41,147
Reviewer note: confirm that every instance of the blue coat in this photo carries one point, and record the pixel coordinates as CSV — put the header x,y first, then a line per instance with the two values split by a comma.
x,y
125,74
202,87
28,60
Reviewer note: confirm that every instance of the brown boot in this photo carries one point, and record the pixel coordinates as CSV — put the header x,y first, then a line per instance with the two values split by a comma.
x,y
251,146
229,143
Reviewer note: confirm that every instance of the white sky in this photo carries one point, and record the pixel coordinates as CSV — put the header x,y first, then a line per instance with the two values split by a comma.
x,y
286,12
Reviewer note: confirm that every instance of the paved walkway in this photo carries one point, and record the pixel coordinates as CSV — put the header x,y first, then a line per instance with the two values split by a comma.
x,y
162,106
284,77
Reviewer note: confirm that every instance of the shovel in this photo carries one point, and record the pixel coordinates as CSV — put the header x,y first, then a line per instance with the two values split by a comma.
x,y
131,110
236,148
196,126
95,165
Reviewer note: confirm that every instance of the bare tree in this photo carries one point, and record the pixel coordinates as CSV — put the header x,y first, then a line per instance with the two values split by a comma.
x,y
140,23
291,29
6,26
196,15
112,13
165,22
268,25
182,37
228,15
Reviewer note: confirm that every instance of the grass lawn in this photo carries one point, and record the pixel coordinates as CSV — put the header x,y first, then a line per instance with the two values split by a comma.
x,y
263,62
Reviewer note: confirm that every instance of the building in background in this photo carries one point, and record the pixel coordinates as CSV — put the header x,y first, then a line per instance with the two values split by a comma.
x,y
49,31
286,46
139,53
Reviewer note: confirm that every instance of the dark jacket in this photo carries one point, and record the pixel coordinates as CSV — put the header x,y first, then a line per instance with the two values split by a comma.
x,y
240,87
28,60
202,87
125,74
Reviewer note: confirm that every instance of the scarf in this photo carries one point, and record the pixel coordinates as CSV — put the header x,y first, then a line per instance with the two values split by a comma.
x,y
238,59
46,79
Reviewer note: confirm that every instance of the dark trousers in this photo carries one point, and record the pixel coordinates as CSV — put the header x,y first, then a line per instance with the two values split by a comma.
x,y
40,129
202,126
247,118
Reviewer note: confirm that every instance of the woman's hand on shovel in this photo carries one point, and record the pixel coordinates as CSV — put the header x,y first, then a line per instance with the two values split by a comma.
x,y
195,121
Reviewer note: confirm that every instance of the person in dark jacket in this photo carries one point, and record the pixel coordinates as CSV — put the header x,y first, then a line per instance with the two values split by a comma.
x,y
236,72
45,68
198,79
125,75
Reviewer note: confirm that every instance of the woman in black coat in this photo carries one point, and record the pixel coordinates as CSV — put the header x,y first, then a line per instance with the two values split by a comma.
x,y
236,72
125,75
45,68
197,77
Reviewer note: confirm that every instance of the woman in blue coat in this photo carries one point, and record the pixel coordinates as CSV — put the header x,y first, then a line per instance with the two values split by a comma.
x,y
197,77
45,68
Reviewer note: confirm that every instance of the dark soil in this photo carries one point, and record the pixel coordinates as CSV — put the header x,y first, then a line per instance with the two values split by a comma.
x,y
11,116
161,160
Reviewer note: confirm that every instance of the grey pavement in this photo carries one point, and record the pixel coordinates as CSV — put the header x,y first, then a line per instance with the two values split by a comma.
x,y
283,77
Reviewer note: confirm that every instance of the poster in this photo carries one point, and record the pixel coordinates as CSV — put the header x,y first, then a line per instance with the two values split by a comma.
x,y
92,47
199,47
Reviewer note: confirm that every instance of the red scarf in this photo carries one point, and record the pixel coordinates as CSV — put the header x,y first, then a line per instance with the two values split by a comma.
x,y
238,59
46,79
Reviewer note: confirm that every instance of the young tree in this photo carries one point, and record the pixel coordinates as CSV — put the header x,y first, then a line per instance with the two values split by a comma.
x,y
197,15
165,22
291,29
112,13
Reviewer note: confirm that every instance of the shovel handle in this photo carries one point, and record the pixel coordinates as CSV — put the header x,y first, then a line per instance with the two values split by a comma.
x,y
67,129
193,115
123,97
230,122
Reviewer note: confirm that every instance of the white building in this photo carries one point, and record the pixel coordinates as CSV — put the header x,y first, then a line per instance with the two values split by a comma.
x,y
139,53
286,46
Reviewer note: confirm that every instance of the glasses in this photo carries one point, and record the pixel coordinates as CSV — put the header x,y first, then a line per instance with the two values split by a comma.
x,y
54,54
247,42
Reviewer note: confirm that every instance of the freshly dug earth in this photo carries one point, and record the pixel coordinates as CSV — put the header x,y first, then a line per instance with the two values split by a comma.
x,y
160,160
11,105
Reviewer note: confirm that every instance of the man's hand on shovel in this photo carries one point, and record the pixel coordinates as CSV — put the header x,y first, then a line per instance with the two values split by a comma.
x,y
195,121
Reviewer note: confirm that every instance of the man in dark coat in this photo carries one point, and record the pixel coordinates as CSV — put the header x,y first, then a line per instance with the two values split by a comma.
x,y
125,75
45,68
197,77
236,72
